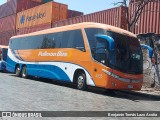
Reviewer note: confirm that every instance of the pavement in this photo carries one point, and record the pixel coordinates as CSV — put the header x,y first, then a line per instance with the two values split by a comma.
x,y
18,94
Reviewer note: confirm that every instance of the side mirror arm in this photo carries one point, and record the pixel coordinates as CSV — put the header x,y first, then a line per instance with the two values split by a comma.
x,y
109,39
150,50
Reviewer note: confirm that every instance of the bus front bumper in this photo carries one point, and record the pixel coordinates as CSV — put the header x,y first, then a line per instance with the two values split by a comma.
x,y
119,85
116,82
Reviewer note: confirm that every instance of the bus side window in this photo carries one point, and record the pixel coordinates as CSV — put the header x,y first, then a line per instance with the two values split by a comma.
x,y
51,41
58,39
47,42
79,40
75,40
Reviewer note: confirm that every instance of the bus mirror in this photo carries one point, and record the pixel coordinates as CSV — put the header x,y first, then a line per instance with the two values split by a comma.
x,y
108,39
150,50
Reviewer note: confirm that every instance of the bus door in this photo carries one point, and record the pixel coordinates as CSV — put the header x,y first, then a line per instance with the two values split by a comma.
x,y
102,52
101,57
103,49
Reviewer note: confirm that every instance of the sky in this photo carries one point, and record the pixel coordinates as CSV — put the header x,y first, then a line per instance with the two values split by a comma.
x,y
85,6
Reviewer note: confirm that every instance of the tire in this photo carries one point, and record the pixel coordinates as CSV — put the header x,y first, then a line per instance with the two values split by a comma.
x,y
18,71
24,72
81,81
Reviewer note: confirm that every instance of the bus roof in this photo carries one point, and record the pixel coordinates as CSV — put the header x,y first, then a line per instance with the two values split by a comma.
x,y
79,26
3,46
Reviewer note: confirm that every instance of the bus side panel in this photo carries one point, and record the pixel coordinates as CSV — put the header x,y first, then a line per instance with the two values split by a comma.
x,y
48,71
31,69
40,69
10,66
62,71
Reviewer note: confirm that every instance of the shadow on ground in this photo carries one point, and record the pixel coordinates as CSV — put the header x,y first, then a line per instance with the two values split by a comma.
x,y
133,96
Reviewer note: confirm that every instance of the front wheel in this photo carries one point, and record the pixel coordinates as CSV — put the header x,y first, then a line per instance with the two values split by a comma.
x,y
24,72
81,81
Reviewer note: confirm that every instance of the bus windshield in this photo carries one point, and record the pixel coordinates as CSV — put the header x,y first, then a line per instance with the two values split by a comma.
x,y
127,56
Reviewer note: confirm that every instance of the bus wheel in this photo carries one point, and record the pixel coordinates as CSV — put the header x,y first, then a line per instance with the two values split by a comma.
x,y
81,81
18,71
24,72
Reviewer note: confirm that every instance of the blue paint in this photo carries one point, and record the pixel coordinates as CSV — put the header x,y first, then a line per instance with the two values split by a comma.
x,y
2,65
13,52
19,56
47,71
40,70
149,49
10,66
109,39
22,20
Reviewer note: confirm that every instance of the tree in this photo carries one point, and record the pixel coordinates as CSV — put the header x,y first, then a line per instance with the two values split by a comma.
x,y
133,16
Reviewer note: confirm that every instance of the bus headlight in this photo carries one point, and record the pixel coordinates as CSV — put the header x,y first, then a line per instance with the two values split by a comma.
x,y
120,78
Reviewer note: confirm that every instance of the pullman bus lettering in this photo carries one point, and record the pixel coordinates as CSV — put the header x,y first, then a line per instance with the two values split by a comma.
x,y
59,53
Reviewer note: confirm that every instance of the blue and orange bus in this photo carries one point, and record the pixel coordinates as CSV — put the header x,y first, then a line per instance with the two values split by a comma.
x,y
86,54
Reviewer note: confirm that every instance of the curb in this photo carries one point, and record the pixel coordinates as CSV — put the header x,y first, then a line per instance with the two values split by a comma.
x,y
151,96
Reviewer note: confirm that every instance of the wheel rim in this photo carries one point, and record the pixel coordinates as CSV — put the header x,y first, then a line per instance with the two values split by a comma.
x,y
24,72
17,70
80,81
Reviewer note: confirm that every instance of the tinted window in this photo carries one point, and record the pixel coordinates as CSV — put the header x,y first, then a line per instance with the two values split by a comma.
x,y
67,39
47,42
31,42
91,32
128,56
4,53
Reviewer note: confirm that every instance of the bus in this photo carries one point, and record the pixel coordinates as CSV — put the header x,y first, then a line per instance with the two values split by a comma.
x,y
85,54
3,57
